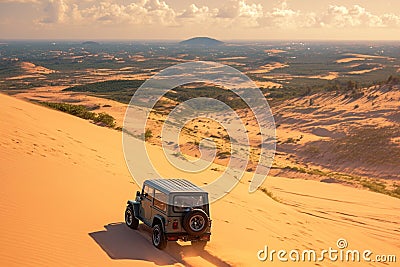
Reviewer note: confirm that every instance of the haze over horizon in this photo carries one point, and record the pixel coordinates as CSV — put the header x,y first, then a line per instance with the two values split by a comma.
x,y
179,20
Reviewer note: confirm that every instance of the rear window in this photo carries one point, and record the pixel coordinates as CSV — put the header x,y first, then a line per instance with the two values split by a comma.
x,y
184,203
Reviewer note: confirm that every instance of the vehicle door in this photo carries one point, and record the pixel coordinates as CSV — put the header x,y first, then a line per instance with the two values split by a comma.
x,y
147,204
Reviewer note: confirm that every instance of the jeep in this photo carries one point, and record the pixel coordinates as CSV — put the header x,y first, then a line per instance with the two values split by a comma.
x,y
175,209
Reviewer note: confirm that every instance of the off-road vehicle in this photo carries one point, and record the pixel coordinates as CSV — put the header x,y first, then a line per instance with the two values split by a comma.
x,y
175,209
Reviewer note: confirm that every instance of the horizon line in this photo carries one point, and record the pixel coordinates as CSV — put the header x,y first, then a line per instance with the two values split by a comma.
x,y
179,40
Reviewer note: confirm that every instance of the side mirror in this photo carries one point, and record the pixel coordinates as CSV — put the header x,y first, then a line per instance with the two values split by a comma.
x,y
138,193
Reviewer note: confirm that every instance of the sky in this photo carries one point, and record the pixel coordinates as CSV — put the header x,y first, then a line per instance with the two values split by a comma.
x,y
182,19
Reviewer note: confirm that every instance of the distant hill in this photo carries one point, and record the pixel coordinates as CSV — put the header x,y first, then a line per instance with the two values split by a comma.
x,y
201,41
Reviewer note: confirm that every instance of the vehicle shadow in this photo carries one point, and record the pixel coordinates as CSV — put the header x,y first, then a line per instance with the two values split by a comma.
x,y
121,242
180,253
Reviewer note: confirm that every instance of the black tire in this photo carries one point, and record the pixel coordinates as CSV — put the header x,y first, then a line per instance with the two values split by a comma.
x,y
195,222
200,244
158,237
130,219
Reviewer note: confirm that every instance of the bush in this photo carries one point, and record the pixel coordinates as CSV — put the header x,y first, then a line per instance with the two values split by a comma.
x,y
76,110
290,140
223,154
269,193
104,119
396,190
148,134
83,112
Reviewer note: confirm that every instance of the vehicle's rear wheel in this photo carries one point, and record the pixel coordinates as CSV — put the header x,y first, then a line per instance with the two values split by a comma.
x,y
195,222
158,237
200,244
130,218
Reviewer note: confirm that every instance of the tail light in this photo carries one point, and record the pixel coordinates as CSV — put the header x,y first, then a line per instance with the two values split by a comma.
x,y
175,224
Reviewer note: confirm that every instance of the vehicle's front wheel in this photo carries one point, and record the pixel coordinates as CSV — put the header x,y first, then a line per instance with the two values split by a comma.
x,y
158,237
130,218
200,244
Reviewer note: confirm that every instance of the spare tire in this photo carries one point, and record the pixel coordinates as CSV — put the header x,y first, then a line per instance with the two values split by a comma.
x,y
195,222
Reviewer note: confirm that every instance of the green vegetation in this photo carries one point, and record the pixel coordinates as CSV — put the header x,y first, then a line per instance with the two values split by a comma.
x,y
102,119
290,140
223,154
107,86
118,90
77,63
396,190
296,169
148,134
269,193
123,90
78,66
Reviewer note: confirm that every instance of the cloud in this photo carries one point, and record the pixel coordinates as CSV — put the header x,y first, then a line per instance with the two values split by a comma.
x,y
108,12
55,11
335,16
355,16
240,13
19,1
234,13
391,20
282,16
196,12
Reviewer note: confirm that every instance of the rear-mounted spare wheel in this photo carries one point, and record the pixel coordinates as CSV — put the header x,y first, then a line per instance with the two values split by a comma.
x,y
195,222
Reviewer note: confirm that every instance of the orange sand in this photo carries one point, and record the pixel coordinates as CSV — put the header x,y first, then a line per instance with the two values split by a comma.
x,y
64,187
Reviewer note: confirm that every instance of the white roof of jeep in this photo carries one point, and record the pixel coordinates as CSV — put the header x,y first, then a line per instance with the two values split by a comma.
x,y
174,186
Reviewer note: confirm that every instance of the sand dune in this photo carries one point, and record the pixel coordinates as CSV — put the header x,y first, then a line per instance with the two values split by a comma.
x,y
349,57
29,67
330,76
312,120
64,186
268,68
358,72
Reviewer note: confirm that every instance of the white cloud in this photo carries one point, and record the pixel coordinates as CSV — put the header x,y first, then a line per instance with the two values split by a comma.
x,y
197,13
391,20
109,12
55,11
356,16
234,13
230,10
241,13
19,1
252,11
334,17
284,17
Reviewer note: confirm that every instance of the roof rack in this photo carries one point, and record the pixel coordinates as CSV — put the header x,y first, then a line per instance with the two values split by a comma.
x,y
174,185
